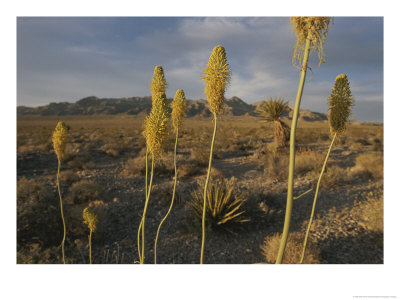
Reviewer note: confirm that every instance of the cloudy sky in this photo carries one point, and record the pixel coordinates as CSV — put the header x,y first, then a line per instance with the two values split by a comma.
x,y
66,59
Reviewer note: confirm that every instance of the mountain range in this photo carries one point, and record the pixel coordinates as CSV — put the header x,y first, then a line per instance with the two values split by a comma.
x,y
142,105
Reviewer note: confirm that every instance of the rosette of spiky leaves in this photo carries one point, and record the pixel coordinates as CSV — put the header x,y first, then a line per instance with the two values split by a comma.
x,y
273,109
318,29
90,218
158,83
156,126
178,106
222,208
340,102
60,139
216,77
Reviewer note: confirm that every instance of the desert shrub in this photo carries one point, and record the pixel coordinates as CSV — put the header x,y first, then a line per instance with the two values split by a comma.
x,y
137,166
368,166
38,218
222,207
81,161
307,161
199,156
190,169
294,248
69,176
111,149
277,166
85,191
377,145
334,177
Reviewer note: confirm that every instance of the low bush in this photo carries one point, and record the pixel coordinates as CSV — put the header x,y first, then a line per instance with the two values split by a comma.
x,y
368,166
84,191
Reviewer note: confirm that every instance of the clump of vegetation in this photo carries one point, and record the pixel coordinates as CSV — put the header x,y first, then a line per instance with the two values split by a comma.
x,y
216,76
222,208
272,110
60,138
368,166
293,250
84,191
69,176
335,177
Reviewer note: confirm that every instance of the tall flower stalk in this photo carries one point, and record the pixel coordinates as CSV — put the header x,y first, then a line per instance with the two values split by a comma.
x,y
340,102
178,112
311,33
155,132
90,218
60,139
216,77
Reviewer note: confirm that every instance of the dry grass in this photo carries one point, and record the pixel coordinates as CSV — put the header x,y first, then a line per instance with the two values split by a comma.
x,y
368,166
85,191
69,176
294,249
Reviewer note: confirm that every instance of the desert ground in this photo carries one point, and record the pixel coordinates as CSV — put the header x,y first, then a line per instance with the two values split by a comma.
x,y
104,168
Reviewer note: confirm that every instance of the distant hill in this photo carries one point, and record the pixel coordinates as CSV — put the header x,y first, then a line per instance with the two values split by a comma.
x,y
142,106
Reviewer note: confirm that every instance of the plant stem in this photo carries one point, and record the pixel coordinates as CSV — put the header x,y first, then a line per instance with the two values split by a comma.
x,y
315,200
145,209
145,184
90,247
62,212
203,221
172,201
289,201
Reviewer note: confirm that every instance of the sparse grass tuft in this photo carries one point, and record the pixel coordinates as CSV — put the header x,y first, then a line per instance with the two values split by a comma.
x,y
369,166
294,248
85,191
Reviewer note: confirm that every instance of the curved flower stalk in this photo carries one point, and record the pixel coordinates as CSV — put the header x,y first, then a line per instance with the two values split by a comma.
x,y
178,112
90,218
216,77
60,139
311,34
340,102
155,133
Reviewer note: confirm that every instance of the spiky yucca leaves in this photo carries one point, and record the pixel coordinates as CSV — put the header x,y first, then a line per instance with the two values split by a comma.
x,y
272,110
178,112
156,126
216,76
90,219
60,139
340,102
158,84
316,28
222,208
178,106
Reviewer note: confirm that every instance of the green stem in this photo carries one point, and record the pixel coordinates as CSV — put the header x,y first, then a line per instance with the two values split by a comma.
x,y
62,212
172,201
315,200
145,209
140,225
289,201
203,221
90,247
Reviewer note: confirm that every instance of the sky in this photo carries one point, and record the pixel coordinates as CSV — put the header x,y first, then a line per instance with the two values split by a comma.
x,y
69,58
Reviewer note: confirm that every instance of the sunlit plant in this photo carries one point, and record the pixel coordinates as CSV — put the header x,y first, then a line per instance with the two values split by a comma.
x,y
216,77
340,102
90,218
60,139
311,34
178,112
272,110
155,133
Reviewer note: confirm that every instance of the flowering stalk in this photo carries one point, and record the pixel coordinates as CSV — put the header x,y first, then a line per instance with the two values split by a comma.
x,y
90,219
340,102
178,112
60,138
311,34
216,77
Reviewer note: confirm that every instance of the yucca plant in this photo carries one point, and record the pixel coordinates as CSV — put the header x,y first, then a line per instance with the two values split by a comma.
x,y
90,218
340,102
272,110
155,133
60,139
178,112
311,33
216,77
221,207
